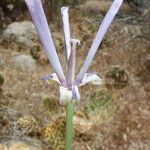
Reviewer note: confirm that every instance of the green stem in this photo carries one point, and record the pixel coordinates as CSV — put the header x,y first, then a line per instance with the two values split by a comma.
x,y
69,126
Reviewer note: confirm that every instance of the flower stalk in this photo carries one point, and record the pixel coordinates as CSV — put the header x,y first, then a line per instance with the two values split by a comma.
x,y
69,126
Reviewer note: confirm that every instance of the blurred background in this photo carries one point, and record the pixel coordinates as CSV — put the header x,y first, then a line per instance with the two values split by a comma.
x,y
115,116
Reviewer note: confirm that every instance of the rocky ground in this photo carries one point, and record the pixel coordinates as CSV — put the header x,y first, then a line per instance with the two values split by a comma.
x,y
115,116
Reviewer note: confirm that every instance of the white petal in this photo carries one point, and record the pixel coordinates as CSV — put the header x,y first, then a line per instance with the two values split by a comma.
x,y
67,95
50,78
91,78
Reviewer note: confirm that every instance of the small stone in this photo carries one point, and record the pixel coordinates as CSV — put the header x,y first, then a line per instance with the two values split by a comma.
x,y
25,63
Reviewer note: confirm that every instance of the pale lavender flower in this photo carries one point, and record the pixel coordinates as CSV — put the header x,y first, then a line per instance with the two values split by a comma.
x,y
69,85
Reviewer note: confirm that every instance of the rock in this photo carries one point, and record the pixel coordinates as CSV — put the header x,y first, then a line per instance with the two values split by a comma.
x,y
19,145
21,32
25,63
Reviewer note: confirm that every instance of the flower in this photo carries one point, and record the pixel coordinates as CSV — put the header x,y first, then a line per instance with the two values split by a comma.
x,y
68,85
